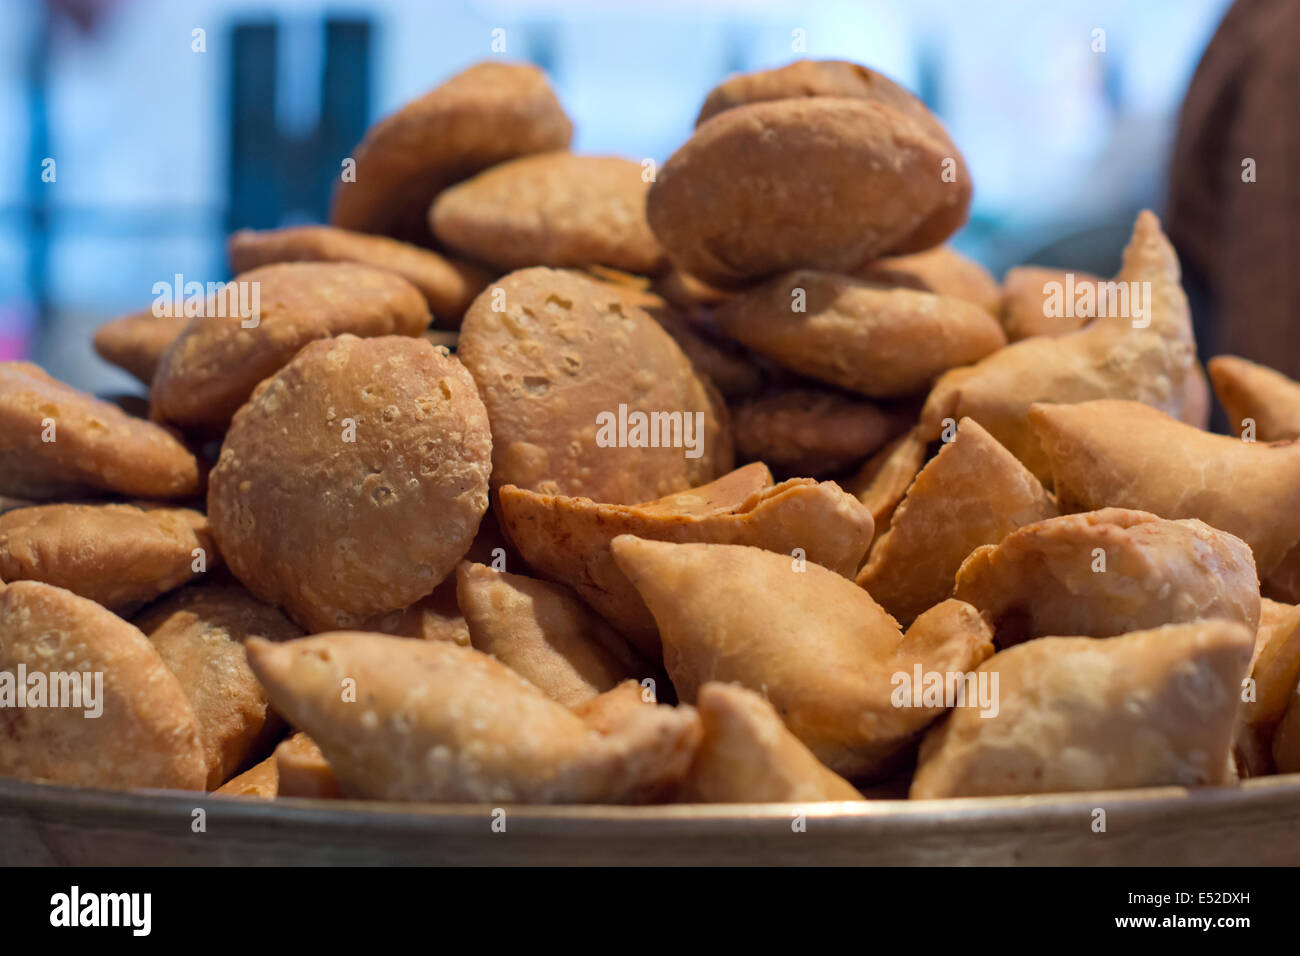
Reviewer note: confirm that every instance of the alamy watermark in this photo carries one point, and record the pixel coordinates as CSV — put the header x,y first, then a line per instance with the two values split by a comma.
x,y
638,429
1090,299
922,688
179,299
74,690
74,908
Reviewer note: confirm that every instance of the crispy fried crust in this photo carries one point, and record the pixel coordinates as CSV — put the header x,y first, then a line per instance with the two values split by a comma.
x,y
868,338
1024,314
567,539
1109,572
431,721
1108,358
821,650
941,270
214,365
809,432
1128,455
261,780
120,556
353,480
1024,306
884,479
551,209
448,285
717,358
972,493
1275,672
146,735
838,78
806,78
199,632
1255,392
136,342
542,631
1146,709
748,756
434,617
303,769
552,351
92,445
482,116
821,183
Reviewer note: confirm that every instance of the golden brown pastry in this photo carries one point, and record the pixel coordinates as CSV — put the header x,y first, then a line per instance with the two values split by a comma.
x,y
1274,672
333,463
1145,359
448,285
567,539
296,769
217,361
571,375
1146,709
718,359
1027,307
687,291
262,780
1026,292
1250,391
820,183
118,555
199,633
303,770
839,78
434,617
972,493
136,342
122,722
748,756
941,270
541,630
553,209
884,479
434,722
58,442
804,78
821,650
1109,572
809,432
862,336
606,711
437,616
1128,455
482,116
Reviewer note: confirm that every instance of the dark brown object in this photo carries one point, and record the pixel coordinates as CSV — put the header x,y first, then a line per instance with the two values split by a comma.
x,y
1241,240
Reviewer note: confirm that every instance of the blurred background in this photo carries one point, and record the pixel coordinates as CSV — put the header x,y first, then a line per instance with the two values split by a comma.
x,y
138,133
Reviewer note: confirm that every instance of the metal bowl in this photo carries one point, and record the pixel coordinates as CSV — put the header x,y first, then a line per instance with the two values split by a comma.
x,y
1257,822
